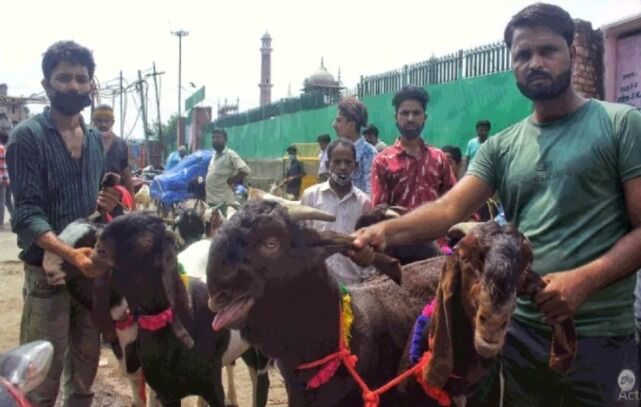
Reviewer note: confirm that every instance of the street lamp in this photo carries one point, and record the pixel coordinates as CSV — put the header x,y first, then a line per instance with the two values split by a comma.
x,y
180,34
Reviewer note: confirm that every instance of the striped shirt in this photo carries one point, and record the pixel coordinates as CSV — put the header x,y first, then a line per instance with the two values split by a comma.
x,y
51,189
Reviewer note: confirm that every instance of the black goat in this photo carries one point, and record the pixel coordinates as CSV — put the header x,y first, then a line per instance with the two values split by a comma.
x,y
179,352
267,277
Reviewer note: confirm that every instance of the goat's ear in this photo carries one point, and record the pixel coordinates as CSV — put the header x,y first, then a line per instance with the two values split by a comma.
x,y
176,292
441,344
563,345
101,312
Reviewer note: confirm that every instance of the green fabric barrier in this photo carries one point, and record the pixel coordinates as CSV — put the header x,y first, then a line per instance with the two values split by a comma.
x,y
453,111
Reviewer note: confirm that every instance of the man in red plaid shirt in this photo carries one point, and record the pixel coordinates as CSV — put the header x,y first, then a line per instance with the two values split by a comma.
x,y
410,172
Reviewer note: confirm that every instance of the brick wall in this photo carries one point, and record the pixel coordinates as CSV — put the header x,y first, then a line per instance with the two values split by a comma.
x,y
587,73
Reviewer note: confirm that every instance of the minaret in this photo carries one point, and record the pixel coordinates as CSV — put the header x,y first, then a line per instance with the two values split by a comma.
x,y
266,70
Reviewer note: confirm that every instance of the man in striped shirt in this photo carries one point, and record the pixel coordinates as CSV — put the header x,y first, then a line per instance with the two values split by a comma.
x,y
55,164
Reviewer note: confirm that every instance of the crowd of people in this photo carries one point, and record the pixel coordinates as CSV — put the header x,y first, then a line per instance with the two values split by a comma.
x,y
568,176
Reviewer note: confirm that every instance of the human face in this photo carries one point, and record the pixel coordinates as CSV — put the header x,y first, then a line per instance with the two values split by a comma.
x,y
103,124
218,141
370,138
542,63
482,132
410,118
323,146
342,126
67,77
342,162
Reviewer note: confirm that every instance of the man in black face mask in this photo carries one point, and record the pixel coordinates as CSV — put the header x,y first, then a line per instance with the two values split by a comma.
x,y
410,172
55,164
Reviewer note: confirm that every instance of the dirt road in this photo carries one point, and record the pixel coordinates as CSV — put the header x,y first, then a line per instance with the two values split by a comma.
x,y
110,387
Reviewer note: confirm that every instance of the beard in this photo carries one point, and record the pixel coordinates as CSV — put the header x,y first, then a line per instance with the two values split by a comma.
x,y
537,93
409,132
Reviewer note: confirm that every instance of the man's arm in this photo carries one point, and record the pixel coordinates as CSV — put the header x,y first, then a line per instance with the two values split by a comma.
x,y
380,194
241,170
431,220
566,291
127,182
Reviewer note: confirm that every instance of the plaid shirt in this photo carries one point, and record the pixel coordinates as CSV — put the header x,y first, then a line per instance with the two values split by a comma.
x,y
4,174
404,180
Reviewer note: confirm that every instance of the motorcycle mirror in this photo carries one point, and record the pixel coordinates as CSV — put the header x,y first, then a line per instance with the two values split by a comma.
x,y
26,366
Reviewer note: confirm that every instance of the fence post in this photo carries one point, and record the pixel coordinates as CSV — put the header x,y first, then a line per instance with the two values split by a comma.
x,y
459,61
405,79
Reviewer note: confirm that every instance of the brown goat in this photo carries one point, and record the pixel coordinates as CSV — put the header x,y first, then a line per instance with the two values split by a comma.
x,y
474,303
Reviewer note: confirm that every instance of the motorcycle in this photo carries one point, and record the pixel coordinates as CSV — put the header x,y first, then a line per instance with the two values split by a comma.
x,y
22,369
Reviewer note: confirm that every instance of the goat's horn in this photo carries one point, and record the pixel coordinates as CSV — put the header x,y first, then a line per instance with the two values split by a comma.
x,y
301,212
256,194
462,228
391,214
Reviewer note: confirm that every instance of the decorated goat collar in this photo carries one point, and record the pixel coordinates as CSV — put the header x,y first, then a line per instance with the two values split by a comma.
x,y
157,321
371,398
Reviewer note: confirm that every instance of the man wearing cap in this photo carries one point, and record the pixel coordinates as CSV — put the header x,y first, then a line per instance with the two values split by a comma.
x,y
116,150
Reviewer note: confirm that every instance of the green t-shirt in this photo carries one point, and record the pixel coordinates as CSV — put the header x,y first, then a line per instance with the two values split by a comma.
x,y
561,184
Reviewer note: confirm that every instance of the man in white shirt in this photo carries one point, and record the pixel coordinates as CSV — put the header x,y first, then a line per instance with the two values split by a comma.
x,y
338,195
226,169
323,141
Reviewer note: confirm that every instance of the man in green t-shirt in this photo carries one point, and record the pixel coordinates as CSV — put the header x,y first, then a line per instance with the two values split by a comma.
x,y
569,177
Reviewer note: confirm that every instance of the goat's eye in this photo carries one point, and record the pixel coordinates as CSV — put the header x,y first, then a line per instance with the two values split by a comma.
x,y
482,319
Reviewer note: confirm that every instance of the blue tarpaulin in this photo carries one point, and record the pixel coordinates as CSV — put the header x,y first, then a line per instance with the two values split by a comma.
x,y
171,186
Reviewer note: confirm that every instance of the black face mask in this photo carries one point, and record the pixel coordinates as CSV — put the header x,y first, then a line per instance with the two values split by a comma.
x,y
70,103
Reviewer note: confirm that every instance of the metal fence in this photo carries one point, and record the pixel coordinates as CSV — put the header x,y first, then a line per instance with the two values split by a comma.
x,y
483,60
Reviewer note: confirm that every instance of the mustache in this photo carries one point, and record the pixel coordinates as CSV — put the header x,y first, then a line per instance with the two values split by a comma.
x,y
536,74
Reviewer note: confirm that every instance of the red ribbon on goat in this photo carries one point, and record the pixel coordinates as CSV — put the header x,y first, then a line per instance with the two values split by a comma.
x,y
371,398
156,322
123,324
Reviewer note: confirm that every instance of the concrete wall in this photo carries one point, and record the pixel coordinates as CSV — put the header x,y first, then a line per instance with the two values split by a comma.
x,y
611,35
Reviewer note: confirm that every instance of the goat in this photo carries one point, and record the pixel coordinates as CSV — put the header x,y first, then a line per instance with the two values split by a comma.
x,y
179,353
143,197
266,276
474,303
105,309
405,254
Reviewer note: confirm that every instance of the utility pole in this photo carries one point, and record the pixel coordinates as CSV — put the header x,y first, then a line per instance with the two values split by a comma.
x,y
160,137
180,34
143,113
122,113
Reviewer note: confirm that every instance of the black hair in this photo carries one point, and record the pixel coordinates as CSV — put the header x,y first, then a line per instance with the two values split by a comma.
x,y
324,138
292,149
353,110
541,15
484,123
411,92
371,129
219,130
341,142
67,51
4,137
454,151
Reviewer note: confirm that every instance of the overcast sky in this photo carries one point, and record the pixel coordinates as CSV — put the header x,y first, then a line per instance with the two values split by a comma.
x,y
361,37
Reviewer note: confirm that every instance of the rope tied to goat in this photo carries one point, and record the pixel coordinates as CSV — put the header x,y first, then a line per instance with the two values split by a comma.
x,y
371,398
